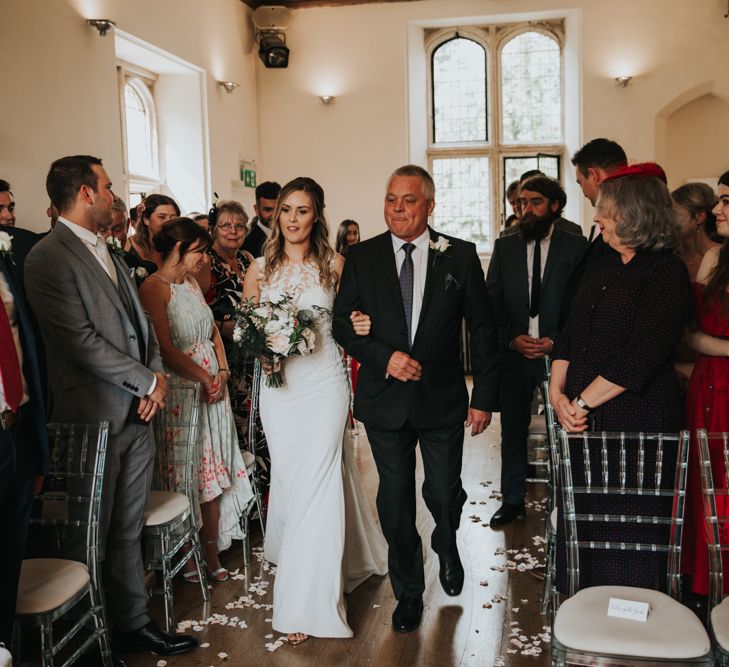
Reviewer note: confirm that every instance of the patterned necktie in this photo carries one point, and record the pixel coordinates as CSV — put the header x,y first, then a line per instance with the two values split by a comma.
x,y
406,286
536,280
9,363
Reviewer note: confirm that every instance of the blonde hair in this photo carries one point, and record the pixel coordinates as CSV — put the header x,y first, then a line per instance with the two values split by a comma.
x,y
319,248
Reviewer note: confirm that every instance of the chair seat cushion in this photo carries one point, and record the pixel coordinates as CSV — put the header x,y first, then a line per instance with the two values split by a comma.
x,y
47,583
720,623
249,458
672,631
164,506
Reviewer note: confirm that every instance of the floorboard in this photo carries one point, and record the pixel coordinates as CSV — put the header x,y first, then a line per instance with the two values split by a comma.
x,y
471,629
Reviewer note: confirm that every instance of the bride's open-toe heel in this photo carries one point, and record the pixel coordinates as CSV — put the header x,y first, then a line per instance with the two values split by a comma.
x,y
220,573
296,638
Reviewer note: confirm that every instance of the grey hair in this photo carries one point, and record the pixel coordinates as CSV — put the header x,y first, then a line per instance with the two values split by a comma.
x,y
419,172
643,211
235,208
118,205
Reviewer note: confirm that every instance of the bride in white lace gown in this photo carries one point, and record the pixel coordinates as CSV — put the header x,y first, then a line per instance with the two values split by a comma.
x,y
305,422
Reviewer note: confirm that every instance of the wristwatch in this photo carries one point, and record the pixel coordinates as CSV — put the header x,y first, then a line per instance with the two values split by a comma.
x,y
581,404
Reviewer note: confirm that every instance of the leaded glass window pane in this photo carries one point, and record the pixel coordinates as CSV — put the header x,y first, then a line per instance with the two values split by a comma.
x,y
531,90
463,200
140,149
514,167
459,91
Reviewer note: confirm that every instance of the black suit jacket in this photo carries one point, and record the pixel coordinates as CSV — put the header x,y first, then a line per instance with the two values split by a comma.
x,y
508,286
454,289
33,411
561,223
255,239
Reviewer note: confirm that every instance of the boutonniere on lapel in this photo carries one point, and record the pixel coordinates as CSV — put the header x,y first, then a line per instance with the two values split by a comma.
x,y
115,247
6,247
439,247
138,275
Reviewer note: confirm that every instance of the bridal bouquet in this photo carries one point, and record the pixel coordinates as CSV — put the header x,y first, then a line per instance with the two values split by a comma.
x,y
276,329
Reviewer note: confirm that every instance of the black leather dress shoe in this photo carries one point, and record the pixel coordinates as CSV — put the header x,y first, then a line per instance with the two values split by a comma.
x,y
506,514
407,614
152,638
451,575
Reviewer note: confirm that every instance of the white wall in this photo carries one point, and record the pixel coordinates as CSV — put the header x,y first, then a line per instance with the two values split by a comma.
x,y
59,88
360,54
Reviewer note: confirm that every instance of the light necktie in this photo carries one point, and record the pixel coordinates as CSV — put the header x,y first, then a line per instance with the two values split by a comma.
x,y
102,251
536,280
406,287
9,363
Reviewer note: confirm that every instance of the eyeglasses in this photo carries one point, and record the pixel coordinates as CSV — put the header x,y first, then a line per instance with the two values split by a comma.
x,y
230,227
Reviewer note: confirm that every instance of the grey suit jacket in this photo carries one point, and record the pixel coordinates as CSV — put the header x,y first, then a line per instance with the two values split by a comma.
x,y
95,367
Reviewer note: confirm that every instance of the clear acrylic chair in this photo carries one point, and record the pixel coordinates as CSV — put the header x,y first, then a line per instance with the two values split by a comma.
x,y
171,529
251,463
715,490
538,438
64,540
635,486
549,591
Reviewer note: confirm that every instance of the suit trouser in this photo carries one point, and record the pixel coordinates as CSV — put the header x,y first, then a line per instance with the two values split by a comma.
x,y
516,392
394,454
127,481
16,501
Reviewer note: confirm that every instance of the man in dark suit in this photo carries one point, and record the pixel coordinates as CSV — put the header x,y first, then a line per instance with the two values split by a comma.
x,y
260,230
417,286
103,364
23,435
526,280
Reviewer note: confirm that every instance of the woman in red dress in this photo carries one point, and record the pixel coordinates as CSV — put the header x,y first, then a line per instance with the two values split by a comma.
x,y
707,404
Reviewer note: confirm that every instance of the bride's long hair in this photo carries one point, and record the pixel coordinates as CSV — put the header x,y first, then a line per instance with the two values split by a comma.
x,y
320,251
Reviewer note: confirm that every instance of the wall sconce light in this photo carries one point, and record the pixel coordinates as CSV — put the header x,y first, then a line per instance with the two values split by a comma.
x,y
229,86
326,100
623,81
102,25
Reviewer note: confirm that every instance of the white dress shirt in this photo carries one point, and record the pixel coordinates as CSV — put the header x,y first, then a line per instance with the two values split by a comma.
x,y
6,296
420,268
544,249
97,246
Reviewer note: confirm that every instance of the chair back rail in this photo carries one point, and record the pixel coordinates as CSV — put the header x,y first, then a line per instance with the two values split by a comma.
x,y
621,465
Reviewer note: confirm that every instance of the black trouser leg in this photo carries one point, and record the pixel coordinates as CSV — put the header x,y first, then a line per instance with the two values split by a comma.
x,y
394,454
442,451
516,395
16,501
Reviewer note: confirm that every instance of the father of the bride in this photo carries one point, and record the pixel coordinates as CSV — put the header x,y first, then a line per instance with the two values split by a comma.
x,y
417,286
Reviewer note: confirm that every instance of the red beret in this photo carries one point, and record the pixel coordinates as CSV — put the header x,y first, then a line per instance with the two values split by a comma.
x,y
640,169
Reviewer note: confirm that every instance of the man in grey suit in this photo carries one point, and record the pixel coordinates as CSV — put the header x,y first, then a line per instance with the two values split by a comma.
x,y
526,280
103,364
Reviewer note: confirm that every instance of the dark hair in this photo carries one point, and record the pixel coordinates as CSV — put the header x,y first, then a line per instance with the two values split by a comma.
x,y
143,235
200,216
67,175
698,198
530,173
268,190
511,220
4,186
184,231
716,288
602,153
513,187
342,245
319,251
419,172
548,187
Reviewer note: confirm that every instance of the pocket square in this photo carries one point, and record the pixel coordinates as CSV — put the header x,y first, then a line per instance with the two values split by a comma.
x,y
451,283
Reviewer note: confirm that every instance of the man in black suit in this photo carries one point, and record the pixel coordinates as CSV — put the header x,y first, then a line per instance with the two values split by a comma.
x,y
23,435
417,286
260,230
7,205
526,280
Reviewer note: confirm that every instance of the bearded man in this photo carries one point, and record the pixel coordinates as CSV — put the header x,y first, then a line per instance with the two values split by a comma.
x,y
527,278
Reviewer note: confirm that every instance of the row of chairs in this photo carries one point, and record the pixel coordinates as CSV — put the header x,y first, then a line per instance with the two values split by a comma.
x,y
636,484
65,532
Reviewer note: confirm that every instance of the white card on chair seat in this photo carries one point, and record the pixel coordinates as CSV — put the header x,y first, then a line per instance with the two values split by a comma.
x,y
630,609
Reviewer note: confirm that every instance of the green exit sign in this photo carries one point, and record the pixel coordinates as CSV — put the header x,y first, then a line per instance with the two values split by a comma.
x,y
248,176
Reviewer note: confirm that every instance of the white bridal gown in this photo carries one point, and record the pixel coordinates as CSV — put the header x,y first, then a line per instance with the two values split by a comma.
x,y
305,422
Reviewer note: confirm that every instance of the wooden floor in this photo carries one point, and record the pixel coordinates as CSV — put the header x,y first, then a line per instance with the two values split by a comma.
x,y
490,623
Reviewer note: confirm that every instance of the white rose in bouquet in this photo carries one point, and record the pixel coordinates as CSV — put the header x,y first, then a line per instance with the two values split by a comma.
x,y
237,334
6,242
278,342
310,339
